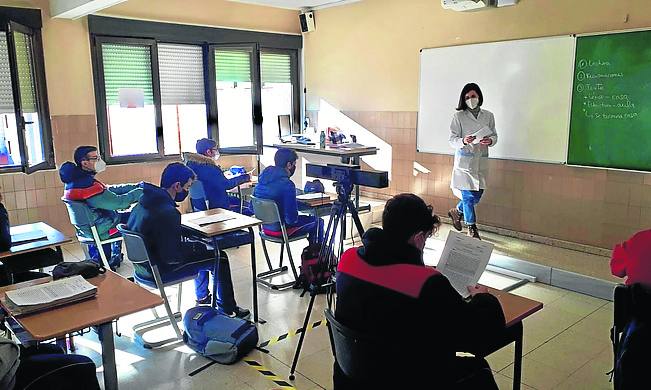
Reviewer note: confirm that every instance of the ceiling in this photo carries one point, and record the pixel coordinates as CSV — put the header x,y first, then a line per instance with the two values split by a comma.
x,y
298,4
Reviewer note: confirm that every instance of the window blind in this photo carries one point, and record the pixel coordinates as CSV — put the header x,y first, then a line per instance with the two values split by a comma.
x,y
275,68
233,65
6,92
126,66
181,74
23,44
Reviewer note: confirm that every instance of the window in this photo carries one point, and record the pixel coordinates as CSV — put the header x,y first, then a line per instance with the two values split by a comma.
x,y
277,92
129,97
182,97
156,96
25,137
235,93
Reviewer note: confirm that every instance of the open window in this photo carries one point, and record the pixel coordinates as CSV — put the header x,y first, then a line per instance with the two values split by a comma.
x,y
25,135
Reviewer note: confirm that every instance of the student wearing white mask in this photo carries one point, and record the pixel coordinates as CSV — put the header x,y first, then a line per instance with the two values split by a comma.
x,y
472,132
104,201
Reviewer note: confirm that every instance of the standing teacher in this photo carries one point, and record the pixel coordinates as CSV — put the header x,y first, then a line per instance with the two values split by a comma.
x,y
471,133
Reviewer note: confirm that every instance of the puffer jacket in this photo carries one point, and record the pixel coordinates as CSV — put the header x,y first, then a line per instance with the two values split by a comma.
x,y
215,184
103,200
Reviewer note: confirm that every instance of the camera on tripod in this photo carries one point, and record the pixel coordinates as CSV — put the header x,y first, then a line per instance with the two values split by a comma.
x,y
349,175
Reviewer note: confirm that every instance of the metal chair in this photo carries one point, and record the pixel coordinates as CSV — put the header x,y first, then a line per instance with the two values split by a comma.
x,y
198,196
82,219
355,352
137,253
267,211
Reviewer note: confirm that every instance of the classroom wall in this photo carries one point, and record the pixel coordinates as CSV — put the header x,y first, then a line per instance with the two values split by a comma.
x,y
364,60
36,197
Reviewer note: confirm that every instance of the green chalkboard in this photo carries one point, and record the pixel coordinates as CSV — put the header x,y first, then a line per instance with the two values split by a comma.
x,y
610,123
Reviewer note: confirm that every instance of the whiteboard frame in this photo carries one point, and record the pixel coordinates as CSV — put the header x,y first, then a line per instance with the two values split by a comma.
x,y
567,146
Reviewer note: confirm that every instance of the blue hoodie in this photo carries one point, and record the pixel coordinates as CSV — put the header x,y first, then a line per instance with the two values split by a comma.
x,y
157,219
103,201
274,184
215,184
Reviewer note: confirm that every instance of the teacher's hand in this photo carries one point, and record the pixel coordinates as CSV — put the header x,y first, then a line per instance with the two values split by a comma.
x,y
469,139
486,141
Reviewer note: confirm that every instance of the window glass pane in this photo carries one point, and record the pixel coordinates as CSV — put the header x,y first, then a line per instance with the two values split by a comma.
x,y
9,150
234,97
33,136
132,121
182,96
277,93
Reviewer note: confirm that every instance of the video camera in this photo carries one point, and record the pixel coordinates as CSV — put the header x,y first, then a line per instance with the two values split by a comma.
x,y
348,174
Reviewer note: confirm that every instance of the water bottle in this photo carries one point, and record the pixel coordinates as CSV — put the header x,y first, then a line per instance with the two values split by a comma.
x,y
322,140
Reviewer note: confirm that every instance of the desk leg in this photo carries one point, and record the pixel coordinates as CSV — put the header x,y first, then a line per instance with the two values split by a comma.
x,y
254,273
108,356
517,359
215,246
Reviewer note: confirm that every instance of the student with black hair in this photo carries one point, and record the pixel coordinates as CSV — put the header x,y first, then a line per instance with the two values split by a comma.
x,y
471,155
385,290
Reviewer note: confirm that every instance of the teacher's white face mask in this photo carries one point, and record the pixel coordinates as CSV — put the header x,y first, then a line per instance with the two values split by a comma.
x,y
472,103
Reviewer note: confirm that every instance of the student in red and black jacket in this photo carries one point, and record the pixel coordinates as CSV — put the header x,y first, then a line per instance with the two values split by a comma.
x,y
384,288
632,259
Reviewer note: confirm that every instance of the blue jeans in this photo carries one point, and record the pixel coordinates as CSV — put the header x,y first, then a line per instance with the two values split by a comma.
x,y
306,224
469,199
112,250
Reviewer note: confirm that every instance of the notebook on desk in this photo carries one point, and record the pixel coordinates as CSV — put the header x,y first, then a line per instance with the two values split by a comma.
x,y
28,236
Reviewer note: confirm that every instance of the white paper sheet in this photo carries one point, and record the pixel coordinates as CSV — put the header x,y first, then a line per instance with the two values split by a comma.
x,y
480,134
463,261
203,221
313,195
50,292
31,235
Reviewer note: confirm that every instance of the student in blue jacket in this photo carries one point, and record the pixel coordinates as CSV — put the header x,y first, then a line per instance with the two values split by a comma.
x,y
215,184
104,201
157,219
274,184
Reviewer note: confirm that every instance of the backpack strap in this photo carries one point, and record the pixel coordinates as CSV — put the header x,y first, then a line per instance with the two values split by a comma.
x,y
241,330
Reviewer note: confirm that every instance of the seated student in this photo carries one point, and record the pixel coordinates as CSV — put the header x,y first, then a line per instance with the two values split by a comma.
x,y
104,201
384,289
44,367
274,184
632,259
157,219
215,184
23,262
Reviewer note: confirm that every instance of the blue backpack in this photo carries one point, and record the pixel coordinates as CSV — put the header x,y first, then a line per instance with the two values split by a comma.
x,y
218,337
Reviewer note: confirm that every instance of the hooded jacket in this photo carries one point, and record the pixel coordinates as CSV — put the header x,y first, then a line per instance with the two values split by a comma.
x,y
157,219
384,289
103,201
274,184
5,229
215,184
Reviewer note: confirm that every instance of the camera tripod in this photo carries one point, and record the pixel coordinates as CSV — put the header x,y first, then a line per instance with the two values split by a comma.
x,y
327,261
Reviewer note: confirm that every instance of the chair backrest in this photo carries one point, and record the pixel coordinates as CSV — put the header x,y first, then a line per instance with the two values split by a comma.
x,y
79,213
265,210
135,244
356,353
198,196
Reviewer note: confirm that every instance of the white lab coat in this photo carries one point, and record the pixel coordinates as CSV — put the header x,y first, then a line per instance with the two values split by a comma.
x,y
470,161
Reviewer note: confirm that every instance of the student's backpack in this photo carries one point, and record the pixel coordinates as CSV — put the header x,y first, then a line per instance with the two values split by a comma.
x,y
311,271
314,186
218,337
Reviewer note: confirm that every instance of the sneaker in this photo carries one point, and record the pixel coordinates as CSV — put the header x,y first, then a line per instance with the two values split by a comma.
x,y
240,312
207,300
456,216
473,231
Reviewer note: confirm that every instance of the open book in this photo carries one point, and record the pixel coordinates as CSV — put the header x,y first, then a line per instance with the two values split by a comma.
x,y
47,295
463,261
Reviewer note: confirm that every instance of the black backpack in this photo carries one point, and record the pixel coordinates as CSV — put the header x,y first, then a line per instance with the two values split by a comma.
x,y
311,272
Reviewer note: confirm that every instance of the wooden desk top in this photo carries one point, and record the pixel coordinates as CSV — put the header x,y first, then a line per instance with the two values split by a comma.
x,y
238,222
54,238
516,308
327,199
116,297
328,151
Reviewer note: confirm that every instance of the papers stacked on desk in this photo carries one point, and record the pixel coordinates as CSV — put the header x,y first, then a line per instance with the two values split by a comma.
x,y
312,195
463,261
48,295
210,219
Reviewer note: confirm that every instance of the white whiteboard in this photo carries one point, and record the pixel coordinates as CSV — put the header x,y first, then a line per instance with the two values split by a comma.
x,y
526,83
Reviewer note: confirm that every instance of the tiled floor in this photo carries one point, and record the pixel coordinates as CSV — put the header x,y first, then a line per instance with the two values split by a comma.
x,y
566,345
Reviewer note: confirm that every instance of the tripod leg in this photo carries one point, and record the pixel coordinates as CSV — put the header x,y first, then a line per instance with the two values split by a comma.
x,y
355,217
300,340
